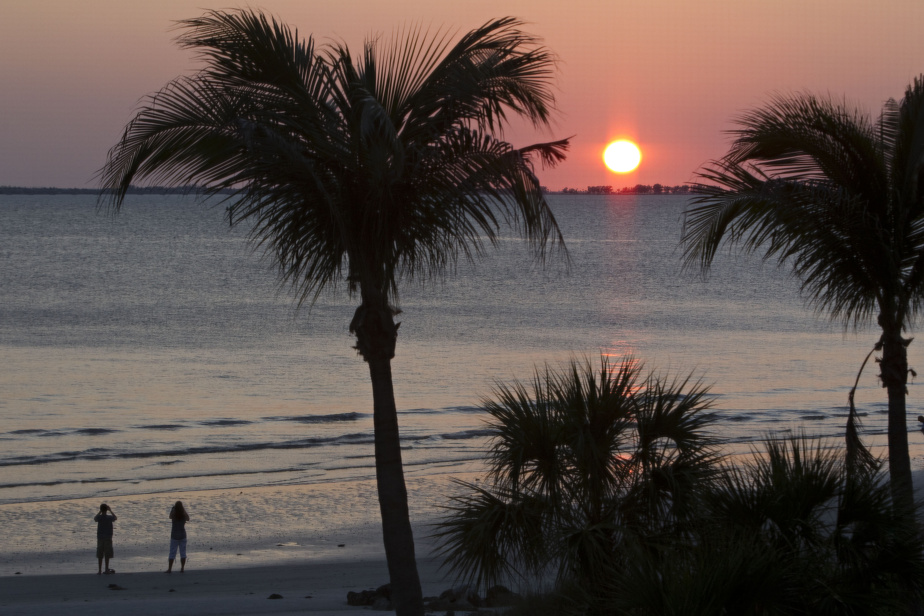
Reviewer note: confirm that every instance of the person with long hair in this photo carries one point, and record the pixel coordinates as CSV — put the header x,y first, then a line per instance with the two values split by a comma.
x,y
179,518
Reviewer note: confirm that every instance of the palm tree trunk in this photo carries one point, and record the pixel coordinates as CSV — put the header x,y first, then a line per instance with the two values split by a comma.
x,y
389,472
376,336
894,375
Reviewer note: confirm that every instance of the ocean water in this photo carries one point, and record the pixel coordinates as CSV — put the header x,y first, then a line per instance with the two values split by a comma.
x,y
154,351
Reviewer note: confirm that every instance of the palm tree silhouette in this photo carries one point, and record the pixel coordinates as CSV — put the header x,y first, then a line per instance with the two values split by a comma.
x,y
819,185
584,460
364,172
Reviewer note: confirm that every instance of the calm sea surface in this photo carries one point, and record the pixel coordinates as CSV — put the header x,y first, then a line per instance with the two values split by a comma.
x,y
153,351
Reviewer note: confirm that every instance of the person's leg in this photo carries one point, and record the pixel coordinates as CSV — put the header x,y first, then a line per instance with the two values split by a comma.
x,y
99,555
108,553
100,559
173,545
182,555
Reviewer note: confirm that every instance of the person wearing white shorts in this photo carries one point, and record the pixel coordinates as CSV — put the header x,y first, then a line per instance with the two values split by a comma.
x,y
178,517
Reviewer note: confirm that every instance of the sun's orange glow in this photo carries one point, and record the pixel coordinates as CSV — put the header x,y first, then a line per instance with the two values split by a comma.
x,y
622,156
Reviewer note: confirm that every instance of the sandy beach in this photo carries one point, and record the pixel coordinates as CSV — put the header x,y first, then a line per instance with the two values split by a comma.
x,y
306,545
310,544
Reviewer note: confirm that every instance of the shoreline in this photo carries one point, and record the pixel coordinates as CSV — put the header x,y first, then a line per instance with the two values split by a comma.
x,y
266,525
229,529
311,544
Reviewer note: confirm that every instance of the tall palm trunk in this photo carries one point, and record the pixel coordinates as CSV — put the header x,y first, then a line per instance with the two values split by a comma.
x,y
376,336
894,375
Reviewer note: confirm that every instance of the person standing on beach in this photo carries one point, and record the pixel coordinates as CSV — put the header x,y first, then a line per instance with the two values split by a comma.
x,y
179,518
104,520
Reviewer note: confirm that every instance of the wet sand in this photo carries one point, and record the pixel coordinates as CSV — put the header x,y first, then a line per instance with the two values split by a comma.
x,y
319,541
309,544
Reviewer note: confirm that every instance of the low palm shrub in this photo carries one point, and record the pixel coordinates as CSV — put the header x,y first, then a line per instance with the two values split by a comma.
x,y
582,459
605,484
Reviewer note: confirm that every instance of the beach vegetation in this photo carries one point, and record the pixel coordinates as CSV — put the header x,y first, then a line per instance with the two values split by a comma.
x,y
584,460
356,173
790,530
605,495
818,185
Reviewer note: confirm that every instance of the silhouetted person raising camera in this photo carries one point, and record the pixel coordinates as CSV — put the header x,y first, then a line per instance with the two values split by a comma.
x,y
179,518
104,520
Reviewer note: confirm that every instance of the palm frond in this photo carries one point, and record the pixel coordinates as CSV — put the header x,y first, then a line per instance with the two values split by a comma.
x,y
186,133
491,69
489,537
835,238
807,139
601,453
370,171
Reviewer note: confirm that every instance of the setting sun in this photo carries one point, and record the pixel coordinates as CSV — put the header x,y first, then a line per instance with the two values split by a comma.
x,y
622,156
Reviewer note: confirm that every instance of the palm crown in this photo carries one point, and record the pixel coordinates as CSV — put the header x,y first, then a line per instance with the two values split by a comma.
x,y
365,171
820,185
386,166
582,462
840,197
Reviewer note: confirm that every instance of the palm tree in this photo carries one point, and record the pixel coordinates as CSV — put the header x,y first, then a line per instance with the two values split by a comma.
x,y
789,530
582,461
816,184
364,172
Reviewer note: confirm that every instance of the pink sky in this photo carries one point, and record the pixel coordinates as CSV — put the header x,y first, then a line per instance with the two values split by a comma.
x,y
668,74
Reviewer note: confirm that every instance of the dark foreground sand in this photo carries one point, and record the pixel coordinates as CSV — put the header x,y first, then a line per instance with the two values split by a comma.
x,y
317,544
317,588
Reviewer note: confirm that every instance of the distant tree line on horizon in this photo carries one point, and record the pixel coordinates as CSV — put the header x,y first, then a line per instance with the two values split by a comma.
x,y
638,189
134,190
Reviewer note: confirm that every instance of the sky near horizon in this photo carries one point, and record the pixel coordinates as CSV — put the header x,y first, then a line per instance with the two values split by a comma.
x,y
670,75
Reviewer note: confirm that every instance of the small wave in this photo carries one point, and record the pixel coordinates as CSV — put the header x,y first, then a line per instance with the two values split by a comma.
x,y
225,422
59,482
64,432
29,484
467,434
115,480
161,427
464,409
318,419
114,454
